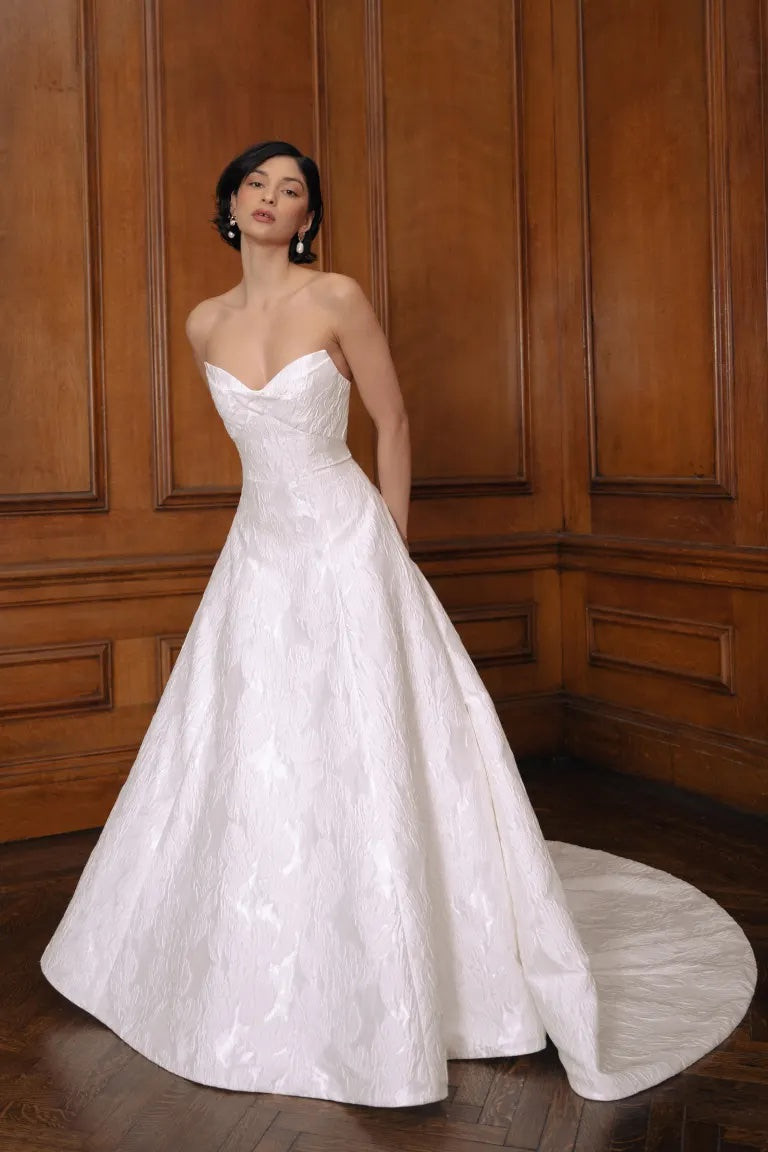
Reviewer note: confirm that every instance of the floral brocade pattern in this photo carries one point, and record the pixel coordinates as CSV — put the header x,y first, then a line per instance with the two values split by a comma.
x,y
323,875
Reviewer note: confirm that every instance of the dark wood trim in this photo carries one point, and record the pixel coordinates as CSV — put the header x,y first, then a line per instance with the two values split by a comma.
x,y
645,559
721,635
376,142
98,653
525,653
320,127
730,566
96,497
168,495
638,743
168,647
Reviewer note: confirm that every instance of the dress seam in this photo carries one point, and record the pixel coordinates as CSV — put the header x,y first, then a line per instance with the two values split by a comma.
x,y
395,885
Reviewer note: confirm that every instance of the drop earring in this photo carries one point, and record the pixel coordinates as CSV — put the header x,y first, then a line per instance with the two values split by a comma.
x,y
232,226
300,244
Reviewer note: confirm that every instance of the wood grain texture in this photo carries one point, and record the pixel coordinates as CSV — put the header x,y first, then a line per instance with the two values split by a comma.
x,y
660,139
560,215
454,184
203,108
57,678
52,447
657,269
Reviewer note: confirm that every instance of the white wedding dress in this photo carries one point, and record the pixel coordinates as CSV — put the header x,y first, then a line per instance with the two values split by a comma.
x,y
323,875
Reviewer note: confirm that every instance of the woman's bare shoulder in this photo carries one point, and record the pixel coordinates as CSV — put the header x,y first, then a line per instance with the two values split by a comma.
x,y
202,318
338,286
342,297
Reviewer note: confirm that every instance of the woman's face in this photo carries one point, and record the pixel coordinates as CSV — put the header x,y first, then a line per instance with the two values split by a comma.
x,y
271,203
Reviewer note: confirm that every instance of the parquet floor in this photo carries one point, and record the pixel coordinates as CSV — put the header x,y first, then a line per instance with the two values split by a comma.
x,y
67,1084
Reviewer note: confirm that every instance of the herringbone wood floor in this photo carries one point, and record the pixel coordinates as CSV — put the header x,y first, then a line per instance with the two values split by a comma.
x,y
67,1084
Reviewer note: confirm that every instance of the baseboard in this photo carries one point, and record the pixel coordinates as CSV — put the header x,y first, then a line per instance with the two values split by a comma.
x,y
723,766
67,794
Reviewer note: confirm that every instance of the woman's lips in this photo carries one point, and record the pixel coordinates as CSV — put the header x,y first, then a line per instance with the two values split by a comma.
x,y
263,216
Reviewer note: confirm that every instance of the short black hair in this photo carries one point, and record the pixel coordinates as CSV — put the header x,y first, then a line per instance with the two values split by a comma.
x,y
242,166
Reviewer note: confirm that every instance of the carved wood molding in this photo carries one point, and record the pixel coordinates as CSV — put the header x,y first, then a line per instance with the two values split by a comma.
x,y
321,128
162,428
68,767
54,698
111,578
601,621
129,577
168,648
670,560
525,652
434,487
95,497
376,150
167,493
523,552
722,482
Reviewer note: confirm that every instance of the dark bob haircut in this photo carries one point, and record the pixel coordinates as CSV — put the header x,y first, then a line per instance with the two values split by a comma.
x,y
242,166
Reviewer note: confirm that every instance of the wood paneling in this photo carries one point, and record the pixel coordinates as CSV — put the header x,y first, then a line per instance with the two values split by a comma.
x,y
559,213
510,622
55,678
454,195
446,219
195,462
52,451
661,189
688,650
168,648
656,246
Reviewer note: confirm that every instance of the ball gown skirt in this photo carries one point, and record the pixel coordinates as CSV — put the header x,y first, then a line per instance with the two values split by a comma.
x,y
323,875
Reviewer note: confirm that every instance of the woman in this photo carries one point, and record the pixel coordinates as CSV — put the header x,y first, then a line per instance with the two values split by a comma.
x,y
323,875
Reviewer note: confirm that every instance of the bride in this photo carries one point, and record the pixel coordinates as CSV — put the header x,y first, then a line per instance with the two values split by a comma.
x,y
323,875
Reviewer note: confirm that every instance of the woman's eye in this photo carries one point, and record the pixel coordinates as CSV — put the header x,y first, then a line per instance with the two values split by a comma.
x,y
290,191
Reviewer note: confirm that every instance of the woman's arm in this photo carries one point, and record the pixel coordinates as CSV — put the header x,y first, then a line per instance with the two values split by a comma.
x,y
366,350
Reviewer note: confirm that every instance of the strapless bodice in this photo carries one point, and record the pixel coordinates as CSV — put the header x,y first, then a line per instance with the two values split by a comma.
x,y
293,426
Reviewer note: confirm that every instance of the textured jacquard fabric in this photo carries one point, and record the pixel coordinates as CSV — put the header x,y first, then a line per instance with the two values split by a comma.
x,y
323,875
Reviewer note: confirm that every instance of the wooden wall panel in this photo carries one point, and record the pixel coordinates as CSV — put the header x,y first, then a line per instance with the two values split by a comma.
x,y
671,649
193,130
52,442
662,223
662,267
510,622
75,709
694,651
559,212
466,183
35,680
657,267
454,196
348,49
149,99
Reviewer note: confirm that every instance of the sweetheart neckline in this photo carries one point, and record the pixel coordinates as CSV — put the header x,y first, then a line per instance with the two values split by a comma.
x,y
285,367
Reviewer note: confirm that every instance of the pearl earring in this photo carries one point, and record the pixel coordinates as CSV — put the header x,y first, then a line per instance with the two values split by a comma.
x,y
232,226
300,244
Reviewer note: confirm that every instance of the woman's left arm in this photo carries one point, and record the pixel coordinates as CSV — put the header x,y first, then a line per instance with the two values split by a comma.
x,y
366,350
